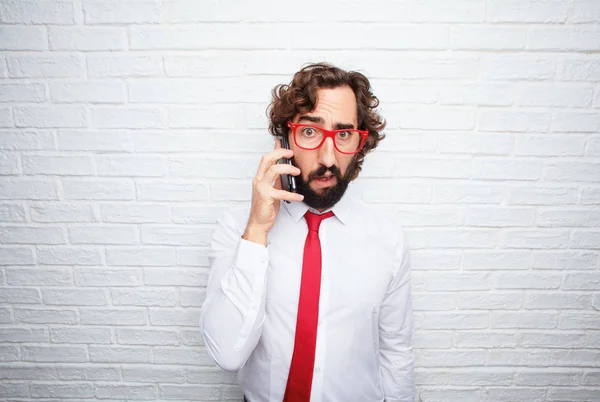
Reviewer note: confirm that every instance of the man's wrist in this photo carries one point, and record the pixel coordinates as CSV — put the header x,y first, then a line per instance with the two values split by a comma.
x,y
255,235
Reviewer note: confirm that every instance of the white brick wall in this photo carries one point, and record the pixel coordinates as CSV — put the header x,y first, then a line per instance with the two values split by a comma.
x,y
127,126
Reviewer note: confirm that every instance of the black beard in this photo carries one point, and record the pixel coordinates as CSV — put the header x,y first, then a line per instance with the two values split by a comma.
x,y
329,196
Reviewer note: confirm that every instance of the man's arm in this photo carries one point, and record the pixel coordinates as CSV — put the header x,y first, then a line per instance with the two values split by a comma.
x,y
395,332
234,310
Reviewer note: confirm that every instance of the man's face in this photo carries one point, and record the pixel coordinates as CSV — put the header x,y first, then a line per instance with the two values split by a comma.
x,y
325,171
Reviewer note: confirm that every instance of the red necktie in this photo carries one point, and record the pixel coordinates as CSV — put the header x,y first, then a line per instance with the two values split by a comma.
x,y
303,360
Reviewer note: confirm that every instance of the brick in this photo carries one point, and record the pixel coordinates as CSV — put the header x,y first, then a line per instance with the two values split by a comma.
x,y
500,217
550,145
22,93
441,260
16,256
141,256
181,356
486,339
510,394
188,317
459,193
8,390
128,166
63,212
24,371
590,195
207,36
179,191
8,334
454,394
519,357
454,320
9,164
524,320
514,67
456,358
440,11
192,298
74,297
6,118
495,260
469,37
209,375
112,354
487,301
5,316
217,167
104,234
192,338
38,12
25,140
69,256
95,141
437,118
452,238
138,213
593,146
576,122
484,94
194,215
519,280
555,94
80,335
9,353
39,276
590,378
87,38
400,92
108,277
546,195
564,38
575,260
20,296
489,376
227,116
12,213
581,70
538,11
433,340
176,235
561,301
34,65
140,297
25,189
98,189
177,392
57,165
61,390
511,121
584,11
582,281
45,316
147,337
125,391
50,117
430,216
536,239
113,316
120,12
106,65
579,320
576,358
374,190
119,117
50,354
88,92
568,218
93,373
434,301
154,374
547,377
31,235
571,171
174,277
562,394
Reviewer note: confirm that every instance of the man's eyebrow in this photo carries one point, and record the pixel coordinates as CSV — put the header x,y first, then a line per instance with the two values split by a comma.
x,y
342,126
312,119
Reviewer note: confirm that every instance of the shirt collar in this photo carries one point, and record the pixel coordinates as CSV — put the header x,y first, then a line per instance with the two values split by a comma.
x,y
341,209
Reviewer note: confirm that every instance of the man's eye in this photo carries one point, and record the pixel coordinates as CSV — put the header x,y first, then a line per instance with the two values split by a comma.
x,y
344,135
308,131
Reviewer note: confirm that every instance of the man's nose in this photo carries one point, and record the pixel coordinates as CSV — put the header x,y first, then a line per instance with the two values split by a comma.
x,y
327,153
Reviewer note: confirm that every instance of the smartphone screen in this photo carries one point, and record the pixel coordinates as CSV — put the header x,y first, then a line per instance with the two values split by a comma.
x,y
288,182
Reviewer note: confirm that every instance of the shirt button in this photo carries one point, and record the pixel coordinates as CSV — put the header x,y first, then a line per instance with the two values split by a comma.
x,y
318,369
320,322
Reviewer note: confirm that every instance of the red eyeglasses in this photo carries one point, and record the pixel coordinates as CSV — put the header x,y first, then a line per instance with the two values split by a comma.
x,y
346,141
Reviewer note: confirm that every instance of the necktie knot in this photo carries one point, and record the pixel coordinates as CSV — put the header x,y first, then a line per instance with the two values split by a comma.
x,y
314,220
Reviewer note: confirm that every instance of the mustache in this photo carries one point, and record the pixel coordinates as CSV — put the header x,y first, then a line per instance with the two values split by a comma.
x,y
323,170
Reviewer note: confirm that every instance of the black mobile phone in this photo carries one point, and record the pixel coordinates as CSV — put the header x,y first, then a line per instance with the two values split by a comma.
x,y
288,182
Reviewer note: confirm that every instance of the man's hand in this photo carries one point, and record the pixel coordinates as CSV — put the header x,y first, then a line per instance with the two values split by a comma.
x,y
267,193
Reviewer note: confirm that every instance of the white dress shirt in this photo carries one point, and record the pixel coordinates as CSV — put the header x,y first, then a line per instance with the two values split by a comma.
x,y
364,335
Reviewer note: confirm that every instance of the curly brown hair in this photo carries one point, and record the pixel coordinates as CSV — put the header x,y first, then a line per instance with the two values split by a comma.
x,y
300,96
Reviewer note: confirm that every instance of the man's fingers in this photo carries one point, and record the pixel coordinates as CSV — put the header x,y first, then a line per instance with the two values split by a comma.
x,y
287,196
275,170
271,158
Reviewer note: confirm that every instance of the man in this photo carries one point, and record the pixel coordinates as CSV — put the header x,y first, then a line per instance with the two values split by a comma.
x,y
309,293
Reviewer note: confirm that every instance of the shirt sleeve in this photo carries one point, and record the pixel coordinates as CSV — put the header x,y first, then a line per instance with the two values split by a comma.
x,y
233,313
396,330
